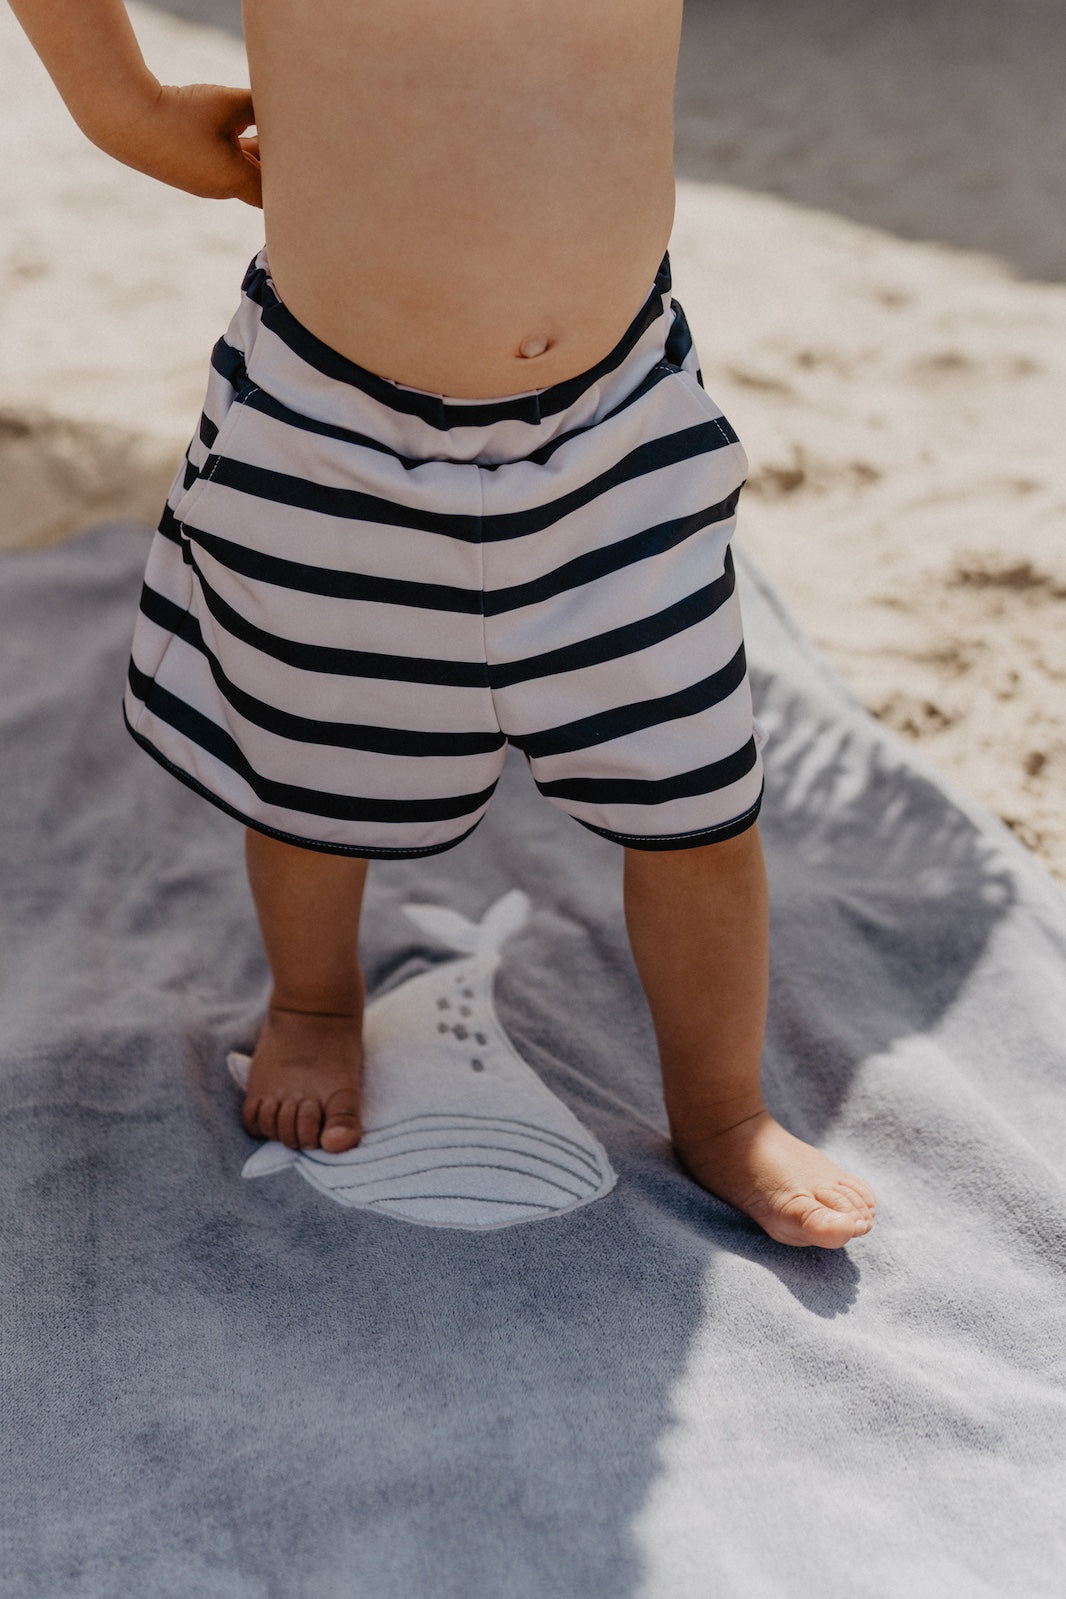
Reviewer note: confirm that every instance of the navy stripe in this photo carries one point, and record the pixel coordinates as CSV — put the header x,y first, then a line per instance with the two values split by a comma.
x,y
341,662
655,790
604,726
208,431
215,741
169,526
678,346
619,641
353,504
228,362
434,409
258,399
283,488
319,846
408,743
609,558
702,836
608,646
300,577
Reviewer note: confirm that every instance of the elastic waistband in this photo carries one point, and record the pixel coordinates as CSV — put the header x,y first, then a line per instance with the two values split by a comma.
x,y
437,410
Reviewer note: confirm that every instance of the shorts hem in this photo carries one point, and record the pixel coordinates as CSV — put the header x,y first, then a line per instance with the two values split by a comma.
x,y
321,847
675,841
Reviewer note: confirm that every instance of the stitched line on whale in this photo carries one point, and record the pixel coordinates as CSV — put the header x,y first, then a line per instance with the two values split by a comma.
x,y
474,1149
472,1120
479,1165
466,1199
561,1146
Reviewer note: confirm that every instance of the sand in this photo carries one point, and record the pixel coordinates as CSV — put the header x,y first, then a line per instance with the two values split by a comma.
x,y
871,277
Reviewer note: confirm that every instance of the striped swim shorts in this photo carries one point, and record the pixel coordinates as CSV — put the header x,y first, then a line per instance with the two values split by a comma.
x,y
360,593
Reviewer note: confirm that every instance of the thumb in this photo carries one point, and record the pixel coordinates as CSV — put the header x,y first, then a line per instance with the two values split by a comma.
x,y
240,116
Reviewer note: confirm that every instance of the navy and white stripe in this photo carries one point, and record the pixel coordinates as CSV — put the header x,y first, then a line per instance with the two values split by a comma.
x,y
359,593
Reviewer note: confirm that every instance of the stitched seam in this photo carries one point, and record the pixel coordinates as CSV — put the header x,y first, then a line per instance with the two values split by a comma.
x,y
696,832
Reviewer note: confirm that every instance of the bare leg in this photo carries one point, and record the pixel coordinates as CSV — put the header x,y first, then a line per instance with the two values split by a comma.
x,y
699,927
303,1087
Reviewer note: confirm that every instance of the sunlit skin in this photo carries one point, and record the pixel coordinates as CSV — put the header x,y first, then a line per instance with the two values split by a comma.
x,y
470,197
445,183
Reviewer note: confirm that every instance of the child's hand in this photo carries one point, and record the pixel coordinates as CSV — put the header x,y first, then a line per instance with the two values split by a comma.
x,y
190,137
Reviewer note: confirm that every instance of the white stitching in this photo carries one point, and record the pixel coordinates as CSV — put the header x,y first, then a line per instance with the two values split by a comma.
x,y
697,832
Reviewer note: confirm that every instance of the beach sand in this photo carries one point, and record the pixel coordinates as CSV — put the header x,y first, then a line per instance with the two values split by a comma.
x,y
869,246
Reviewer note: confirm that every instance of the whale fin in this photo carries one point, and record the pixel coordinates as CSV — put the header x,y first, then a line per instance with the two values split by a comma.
x,y
486,937
269,1157
447,925
500,921
238,1066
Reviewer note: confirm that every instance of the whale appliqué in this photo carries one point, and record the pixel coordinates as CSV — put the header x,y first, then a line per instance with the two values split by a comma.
x,y
459,1130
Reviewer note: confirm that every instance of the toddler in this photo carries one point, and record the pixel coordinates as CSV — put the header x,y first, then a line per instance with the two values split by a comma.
x,y
457,484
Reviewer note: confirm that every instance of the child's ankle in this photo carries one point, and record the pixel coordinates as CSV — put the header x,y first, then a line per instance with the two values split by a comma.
x,y
699,1124
344,1001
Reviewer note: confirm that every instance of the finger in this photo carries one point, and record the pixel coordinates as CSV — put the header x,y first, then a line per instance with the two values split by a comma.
x,y
251,190
239,112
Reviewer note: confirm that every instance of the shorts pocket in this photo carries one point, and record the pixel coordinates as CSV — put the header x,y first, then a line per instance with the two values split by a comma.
x,y
187,499
709,410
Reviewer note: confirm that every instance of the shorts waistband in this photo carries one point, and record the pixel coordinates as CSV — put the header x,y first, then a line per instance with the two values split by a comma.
x,y
437,410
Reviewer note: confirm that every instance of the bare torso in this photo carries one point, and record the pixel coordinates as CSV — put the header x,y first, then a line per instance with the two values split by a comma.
x,y
466,196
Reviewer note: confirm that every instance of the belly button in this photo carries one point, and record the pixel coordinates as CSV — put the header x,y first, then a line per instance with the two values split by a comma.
x,y
533,346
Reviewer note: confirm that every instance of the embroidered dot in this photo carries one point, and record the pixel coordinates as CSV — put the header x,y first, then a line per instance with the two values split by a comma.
x,y
477,1065
464,1010
468,993
444,1004
442,1027
460,1032
480,1038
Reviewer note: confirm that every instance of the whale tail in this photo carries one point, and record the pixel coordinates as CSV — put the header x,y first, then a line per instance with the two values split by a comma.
x,y
485,938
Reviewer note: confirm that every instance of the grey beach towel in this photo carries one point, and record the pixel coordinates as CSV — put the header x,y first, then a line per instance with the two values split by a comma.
x,y
239,1387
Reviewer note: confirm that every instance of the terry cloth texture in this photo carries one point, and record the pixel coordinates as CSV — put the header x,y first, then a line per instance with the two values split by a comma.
x,y
360,593
217,1388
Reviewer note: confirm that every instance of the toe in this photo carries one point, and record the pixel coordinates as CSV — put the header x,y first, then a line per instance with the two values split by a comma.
x,y
807,1219
861,1193
308,1123
265,1121
828,1227
843,1211
343,1125
286,1132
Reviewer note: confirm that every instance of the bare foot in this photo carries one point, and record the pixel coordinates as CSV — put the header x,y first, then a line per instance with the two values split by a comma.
x,y
304,1081
795,1193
